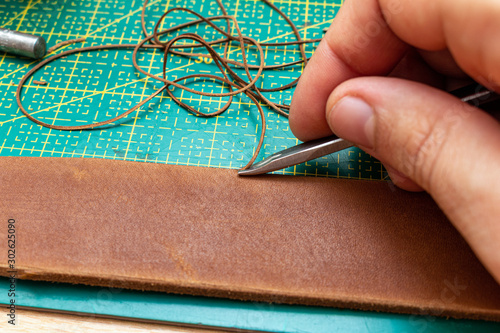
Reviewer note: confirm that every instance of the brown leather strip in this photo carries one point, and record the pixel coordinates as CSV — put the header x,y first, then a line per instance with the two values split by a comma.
x,y
202,231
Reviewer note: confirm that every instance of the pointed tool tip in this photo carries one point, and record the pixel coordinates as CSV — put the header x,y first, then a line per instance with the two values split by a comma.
x,y
248,172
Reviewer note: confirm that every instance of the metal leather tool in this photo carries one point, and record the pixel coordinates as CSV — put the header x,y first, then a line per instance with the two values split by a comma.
x,y
22,44
473,94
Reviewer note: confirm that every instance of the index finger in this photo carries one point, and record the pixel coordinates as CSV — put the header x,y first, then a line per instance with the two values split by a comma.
x,y
370,37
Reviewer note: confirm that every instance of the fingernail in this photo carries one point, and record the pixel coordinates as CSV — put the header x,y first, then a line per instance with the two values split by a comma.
x,y
353,119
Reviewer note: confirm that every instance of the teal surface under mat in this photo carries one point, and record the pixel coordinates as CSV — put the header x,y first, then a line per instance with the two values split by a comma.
x,y
224,313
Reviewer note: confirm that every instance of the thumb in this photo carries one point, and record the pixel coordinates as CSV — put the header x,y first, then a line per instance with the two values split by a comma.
x,y
446,147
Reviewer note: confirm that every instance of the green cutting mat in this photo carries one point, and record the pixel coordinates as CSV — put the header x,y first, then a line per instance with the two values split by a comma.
x,y
89,87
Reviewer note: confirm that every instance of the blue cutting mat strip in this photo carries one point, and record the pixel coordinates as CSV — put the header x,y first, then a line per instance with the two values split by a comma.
x,y
226,313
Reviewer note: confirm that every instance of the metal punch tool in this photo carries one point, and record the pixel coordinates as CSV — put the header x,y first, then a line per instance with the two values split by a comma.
x,y
473,94
22,44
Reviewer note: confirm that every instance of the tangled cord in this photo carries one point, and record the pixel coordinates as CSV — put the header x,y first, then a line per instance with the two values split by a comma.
x,y
230,80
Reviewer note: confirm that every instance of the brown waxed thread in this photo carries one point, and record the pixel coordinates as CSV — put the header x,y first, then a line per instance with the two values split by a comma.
x,y
235,86
67,42
41,83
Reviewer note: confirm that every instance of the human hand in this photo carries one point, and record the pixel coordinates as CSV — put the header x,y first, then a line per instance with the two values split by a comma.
x,y
427,139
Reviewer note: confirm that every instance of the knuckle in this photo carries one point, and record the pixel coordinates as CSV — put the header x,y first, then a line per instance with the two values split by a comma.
x,y
425,155
428,155
419,149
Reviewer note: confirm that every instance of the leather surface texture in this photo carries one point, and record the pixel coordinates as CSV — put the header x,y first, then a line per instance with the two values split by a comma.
x,y
202,231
